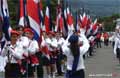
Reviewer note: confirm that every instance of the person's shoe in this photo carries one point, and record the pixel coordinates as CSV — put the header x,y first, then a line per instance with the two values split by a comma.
x,y
49,76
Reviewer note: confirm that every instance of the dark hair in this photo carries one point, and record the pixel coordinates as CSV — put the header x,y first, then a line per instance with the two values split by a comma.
x,y
74,44
74,47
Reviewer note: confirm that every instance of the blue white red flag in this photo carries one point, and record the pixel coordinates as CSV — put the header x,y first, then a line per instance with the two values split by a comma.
x,y
5,16
33,16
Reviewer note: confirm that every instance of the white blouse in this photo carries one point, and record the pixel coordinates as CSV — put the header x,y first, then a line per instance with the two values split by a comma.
x,y
83,49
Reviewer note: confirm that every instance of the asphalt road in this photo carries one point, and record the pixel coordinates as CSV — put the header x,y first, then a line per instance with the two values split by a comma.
x,y
103,64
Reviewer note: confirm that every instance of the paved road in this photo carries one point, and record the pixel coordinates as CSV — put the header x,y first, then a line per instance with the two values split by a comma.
x,y
102,65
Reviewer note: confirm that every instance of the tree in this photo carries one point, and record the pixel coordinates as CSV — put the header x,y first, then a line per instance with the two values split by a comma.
x,y
109,25
14,10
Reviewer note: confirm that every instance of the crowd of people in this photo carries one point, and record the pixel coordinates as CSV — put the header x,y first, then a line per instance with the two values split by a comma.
x,y
24,57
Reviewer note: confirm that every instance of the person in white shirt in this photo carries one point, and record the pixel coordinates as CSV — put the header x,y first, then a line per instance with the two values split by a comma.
x,y
51,41
32,49
60,56
117,44
13,53
74,53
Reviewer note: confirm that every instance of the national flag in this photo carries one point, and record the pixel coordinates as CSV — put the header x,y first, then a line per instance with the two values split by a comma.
x,y
33,16
64,15
23,17
22,12
41,16
84,21
5,16
88,27
59,20
59,23
69,20
47,20
95,27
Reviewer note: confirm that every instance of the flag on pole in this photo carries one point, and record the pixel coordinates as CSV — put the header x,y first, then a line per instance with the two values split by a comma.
x,y
95,27
84,21
47,20
33,16
22,13
88,27
59,20
41,16
5,16
69,20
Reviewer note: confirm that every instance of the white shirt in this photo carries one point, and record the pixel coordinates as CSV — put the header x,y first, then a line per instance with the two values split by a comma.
x,y
51,42
15,53
60,42
33,47
23,42
117,44
83,49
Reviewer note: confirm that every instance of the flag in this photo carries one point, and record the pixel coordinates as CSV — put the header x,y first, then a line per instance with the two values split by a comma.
x,y
84,21
21,20
95,27
5,15
88,27
47,20
41,16
69,20
64,15
33,16
59,23
59,20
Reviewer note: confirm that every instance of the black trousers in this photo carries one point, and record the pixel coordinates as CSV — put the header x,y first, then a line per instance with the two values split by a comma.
x,y
75,74
106,42
12,70
90,50
40,71
58,64
98,42
118,53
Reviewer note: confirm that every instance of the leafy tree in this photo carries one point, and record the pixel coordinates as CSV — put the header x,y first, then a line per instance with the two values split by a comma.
x,y
109,23
13,6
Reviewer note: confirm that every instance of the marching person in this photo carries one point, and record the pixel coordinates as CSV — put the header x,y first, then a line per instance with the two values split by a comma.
x,y
32,49
117,44
14,53
91,42
45,54
106,37
23,41
98,41
74,51
60,56
52,47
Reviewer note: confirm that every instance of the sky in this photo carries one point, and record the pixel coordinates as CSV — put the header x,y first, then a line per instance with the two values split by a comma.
x,y
96,7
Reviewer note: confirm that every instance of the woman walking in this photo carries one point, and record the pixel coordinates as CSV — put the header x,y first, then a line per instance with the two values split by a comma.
x,y
74,52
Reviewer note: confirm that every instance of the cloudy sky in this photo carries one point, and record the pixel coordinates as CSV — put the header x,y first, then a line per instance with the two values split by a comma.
x,y
97,7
